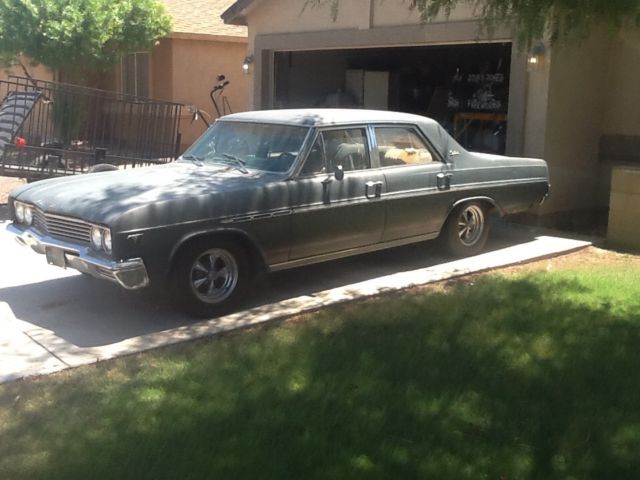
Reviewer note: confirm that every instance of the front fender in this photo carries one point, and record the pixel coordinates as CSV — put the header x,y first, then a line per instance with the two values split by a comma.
x,y
247,241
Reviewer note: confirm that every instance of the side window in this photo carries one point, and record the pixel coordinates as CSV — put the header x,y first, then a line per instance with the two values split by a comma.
x,y
135,74
314,164
401,146
347,147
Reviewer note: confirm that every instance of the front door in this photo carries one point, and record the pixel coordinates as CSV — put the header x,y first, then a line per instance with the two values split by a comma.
x,y
330,213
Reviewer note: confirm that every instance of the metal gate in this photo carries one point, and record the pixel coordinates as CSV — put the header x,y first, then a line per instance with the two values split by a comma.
x,y
50,129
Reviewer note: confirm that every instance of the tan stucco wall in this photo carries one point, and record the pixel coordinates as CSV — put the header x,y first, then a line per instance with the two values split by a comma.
x,y
278,16
535,116
593,92
577,80
162,70
38,71
622,108
184,70
621,117
195,65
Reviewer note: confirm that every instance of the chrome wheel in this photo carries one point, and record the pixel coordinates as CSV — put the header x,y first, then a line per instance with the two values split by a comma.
x,y
214,275
470,225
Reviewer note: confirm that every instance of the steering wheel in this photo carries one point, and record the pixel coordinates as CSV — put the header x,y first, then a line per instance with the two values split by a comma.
x,y
285,160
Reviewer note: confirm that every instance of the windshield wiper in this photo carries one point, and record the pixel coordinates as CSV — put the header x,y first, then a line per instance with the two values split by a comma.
x,y
194,158
237,161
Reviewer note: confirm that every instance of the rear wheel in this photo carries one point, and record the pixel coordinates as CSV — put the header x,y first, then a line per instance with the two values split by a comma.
x,y
467,229
210,277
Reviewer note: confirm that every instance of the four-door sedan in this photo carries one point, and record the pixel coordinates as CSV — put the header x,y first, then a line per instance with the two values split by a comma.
x,y
270,190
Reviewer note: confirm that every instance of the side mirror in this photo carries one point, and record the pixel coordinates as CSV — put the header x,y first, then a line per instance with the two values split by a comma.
x,y
338,172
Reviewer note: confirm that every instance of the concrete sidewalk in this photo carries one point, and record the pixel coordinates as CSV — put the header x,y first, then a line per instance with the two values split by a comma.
x,y
27,348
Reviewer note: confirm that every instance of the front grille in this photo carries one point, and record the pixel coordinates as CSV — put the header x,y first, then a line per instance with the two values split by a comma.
x,y
64,228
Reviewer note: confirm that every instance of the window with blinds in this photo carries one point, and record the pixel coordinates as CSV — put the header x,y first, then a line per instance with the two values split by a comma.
x,y
135,74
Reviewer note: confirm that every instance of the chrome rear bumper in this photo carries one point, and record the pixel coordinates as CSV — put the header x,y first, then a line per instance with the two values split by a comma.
x,y
130,274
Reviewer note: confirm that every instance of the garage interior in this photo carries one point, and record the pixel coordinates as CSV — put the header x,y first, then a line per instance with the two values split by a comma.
x,y
464,87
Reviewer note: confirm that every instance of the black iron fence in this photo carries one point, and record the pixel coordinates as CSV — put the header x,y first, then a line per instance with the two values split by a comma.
x,y
52,129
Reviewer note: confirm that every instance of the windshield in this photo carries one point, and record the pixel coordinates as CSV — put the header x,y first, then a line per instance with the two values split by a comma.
x,y
258,146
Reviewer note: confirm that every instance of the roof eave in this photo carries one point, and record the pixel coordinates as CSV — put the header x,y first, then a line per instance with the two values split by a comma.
x,y
235,14
208,37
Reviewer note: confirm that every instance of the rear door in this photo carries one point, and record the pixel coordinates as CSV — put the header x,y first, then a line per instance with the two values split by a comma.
x,y
331,214
417,182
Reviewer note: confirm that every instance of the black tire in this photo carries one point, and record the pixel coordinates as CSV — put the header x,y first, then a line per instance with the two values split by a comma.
x,y
102,167
209,277
467,229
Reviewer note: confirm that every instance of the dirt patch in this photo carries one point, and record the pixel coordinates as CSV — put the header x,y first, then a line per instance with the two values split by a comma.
x,y
585,258
6,185
581,260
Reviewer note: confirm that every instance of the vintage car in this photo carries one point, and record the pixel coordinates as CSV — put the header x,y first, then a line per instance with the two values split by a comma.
x,y
271,190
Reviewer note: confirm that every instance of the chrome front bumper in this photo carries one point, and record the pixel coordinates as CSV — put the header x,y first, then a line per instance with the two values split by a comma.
x,y
130,274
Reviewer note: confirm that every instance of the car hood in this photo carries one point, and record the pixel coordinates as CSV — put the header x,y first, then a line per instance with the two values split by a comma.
x,y
103,197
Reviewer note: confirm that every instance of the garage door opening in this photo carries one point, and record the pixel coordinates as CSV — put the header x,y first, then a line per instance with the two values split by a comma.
x,y
464,87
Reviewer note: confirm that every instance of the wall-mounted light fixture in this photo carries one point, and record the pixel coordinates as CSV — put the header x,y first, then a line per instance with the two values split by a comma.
x,y
536,58
246,65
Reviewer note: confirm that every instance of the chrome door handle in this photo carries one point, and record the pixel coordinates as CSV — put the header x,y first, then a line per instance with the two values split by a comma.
x,y
376,187
326,183
443,181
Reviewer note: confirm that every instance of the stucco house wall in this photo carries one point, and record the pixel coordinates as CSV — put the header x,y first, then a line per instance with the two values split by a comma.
x,y
195,65
574,123
593,118
184,70
620,141
36,71
184,65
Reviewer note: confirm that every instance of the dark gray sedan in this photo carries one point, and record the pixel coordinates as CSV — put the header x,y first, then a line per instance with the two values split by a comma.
x,y
270,190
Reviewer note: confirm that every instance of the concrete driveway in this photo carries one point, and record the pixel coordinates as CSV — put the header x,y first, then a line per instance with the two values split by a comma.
x,y
51,319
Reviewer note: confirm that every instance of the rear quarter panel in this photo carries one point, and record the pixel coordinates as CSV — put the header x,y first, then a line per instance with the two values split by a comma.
x,y
515,184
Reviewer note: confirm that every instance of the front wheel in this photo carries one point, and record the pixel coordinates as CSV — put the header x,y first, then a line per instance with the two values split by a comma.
x,y
210,277
467,229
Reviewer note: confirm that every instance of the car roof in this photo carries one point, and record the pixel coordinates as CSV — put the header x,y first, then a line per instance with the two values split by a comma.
x,y
321,117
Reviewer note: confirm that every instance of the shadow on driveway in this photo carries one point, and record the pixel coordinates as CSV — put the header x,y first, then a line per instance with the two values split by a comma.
x,y
87,312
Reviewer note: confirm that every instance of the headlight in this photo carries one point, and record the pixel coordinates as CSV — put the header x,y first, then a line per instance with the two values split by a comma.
x,y
96,238
106,240
101,238
19,209
28,214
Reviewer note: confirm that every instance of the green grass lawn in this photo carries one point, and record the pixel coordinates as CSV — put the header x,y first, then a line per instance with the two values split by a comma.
x,y
534,375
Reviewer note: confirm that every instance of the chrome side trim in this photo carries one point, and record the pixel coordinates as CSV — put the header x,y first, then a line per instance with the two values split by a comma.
x,y
350,252
257,216
461,187
414,193
130,274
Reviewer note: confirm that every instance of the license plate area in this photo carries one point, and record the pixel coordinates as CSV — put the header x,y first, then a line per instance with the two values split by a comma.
x,y
55,256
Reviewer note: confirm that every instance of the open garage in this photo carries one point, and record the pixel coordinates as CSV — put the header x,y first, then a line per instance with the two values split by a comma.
x,y
464,87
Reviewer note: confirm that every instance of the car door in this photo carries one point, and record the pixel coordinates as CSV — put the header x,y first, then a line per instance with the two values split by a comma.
x,y
333,213
417,182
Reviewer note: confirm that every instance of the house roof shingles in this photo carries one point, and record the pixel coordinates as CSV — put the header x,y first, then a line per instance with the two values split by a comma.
x,y
201,17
